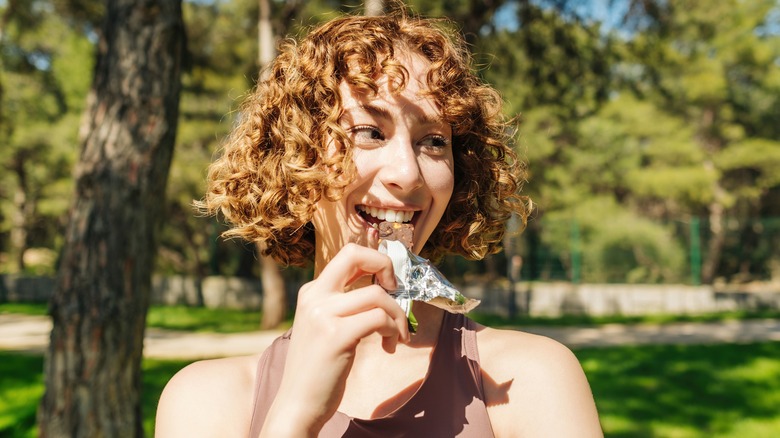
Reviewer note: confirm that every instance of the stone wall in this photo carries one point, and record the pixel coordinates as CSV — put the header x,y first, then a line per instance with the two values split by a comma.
x,y
536,299
555,299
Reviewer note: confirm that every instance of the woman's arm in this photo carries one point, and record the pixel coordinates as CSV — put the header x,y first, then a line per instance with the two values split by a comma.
x,y
211,398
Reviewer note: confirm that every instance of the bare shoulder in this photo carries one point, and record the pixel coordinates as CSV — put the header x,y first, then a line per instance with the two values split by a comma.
x,y
208,398
534,386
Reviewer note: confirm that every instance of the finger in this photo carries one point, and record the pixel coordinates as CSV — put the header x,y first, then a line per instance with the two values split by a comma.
x,y
377,321
355,261
374,296
365,298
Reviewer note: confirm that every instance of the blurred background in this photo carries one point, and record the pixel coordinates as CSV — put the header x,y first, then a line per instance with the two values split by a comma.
x,y
651,131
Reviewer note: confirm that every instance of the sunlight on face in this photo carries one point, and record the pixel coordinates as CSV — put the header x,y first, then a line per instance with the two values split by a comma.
x,y
404,165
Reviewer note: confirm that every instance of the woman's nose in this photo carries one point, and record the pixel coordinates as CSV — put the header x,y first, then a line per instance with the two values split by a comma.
x,y
401,169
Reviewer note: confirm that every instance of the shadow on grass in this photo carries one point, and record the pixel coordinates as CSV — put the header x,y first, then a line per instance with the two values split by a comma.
x,y
684,391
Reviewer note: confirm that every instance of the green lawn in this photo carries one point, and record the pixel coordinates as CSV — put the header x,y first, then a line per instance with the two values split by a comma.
x,y
21,388
198,319
584,320
647,391
236,321
687,391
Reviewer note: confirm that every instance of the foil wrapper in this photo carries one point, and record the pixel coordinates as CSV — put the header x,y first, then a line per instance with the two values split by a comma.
x,y
419,280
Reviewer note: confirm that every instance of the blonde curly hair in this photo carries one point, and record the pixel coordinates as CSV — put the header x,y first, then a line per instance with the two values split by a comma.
x,y
275,168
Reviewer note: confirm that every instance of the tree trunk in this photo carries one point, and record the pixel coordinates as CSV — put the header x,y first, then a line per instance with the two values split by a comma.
x,y
266,42
18,234
274,292
374,8
717,208
92,367
715,246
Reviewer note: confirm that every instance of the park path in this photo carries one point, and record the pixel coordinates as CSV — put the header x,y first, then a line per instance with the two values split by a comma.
x,y
31,334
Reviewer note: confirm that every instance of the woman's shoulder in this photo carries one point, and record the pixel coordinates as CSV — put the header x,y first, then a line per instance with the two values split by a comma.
x,y
208,398
508,346
534,382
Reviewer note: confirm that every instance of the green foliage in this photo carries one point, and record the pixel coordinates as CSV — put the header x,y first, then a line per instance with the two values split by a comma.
x,y
670,134
47,72
670,115
615,244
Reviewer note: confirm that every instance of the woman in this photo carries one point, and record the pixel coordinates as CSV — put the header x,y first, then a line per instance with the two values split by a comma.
x,y
369,119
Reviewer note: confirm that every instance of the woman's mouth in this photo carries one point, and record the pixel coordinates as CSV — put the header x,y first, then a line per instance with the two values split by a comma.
x,y
374,215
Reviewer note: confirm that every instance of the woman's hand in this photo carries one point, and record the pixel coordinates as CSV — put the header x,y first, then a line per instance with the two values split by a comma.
x,y
329,324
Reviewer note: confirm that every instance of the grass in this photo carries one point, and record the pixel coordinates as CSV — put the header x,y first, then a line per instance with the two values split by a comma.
x,y
201,319
24,308
194,319
677,391
687,391
584,320
21,388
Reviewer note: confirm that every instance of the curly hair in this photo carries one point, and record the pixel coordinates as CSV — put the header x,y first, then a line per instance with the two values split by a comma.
x,y
274,167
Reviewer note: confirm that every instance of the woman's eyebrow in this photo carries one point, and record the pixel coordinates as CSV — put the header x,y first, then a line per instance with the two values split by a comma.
x,y
372,110
379,112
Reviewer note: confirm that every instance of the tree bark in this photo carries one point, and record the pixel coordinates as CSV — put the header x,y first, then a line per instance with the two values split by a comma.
x,y
274,292
717,208
716,243
19,218
266,41
92,367
374,8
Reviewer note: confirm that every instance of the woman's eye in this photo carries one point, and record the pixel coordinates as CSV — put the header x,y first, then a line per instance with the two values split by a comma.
x,y
435,143
366,134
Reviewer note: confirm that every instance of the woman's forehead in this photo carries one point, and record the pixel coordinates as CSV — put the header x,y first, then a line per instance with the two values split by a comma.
x,y
415,68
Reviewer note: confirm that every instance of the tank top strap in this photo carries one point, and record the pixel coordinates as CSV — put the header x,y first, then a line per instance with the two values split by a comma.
x,y
470,351
267,380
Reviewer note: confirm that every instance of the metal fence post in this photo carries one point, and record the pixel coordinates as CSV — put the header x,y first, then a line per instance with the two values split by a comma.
x,y
576,260
695,252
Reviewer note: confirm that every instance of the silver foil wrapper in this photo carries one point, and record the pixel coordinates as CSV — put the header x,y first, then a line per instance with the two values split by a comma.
x,y
419,280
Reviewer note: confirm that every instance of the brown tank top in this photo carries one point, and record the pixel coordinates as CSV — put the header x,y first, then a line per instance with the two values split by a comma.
x,y
450,402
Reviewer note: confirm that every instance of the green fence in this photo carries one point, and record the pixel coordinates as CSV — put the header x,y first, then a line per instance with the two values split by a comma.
x,y
688,251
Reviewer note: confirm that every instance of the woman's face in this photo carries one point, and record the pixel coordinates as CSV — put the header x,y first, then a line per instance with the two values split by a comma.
x,y
404,165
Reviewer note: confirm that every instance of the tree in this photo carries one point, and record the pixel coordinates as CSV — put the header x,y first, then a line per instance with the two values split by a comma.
x,y
43,84
374,7
92,367
274,293
471,15
714,66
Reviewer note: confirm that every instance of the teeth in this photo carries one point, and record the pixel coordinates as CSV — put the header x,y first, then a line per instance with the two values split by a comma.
x,y
387,215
